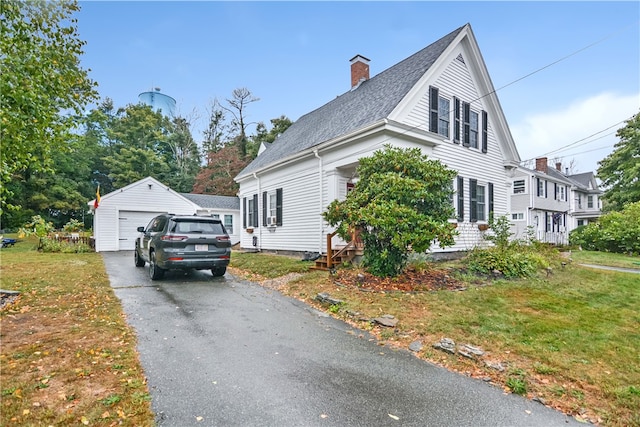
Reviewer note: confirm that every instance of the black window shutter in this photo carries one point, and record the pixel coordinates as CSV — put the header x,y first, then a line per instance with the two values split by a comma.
x,y
244,212
433,109
456,120
466,114
264,208
460,198
473,200
538,187
546,189
485,132
255,210
555,191
490,199
279,206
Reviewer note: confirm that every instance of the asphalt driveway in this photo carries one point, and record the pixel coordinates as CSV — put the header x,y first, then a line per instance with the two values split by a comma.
x,y
227,352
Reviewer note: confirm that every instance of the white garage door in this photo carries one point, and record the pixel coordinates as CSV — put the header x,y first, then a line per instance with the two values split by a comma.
x,y
129,222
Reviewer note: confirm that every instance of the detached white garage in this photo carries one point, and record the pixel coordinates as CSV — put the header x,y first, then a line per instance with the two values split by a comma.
x,y
121,212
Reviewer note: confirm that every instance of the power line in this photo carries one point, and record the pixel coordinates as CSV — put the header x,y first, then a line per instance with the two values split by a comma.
x,y
565,147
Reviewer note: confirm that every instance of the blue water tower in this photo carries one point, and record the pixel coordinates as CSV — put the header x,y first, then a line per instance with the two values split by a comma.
x,y
159,101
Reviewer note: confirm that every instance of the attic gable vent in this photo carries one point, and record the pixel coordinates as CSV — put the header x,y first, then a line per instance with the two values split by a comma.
x,y
460,58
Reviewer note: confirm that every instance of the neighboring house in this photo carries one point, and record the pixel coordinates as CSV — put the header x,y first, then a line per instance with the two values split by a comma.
x,y
440,100
586,203
122,211
550,203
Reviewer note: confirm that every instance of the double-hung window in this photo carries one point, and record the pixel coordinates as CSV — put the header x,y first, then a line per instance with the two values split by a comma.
x,y
444,107
251,208
590,202
480,204
473,129
476,201
228,223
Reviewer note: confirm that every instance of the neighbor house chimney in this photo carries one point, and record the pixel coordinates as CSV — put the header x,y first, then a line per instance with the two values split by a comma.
x,y
559,166
359,70
541,164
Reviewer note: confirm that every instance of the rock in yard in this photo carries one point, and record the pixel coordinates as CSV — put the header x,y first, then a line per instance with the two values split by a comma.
x,y
386,320
446,344
415,346
470,351
325,298
495,365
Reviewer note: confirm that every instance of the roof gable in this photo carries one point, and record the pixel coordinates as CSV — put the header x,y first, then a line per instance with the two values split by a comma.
x,y
148,181
371,101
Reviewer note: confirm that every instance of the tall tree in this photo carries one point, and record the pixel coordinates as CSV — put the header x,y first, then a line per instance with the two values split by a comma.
x,y
279,125
43,89
215,136
183,157
620,170
143,142
240,99
401,203
217,176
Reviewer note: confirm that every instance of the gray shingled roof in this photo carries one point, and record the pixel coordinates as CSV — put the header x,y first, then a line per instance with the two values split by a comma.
x,y
213,202
581,180
371,101
584,179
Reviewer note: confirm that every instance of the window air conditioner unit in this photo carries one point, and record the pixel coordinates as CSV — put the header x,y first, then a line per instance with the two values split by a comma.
x,y
271,221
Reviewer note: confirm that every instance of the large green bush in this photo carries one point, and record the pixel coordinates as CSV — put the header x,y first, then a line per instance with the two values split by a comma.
x,y
614,232
401,204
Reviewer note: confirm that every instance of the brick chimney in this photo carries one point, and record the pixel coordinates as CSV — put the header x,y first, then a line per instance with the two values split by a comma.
x,y
359,70
541,164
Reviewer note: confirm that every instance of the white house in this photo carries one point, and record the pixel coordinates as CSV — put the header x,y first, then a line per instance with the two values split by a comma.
x,y
551,203
440,99
122,211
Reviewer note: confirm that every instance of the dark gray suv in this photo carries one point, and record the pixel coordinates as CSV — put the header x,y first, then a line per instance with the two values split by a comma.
x,y
180,242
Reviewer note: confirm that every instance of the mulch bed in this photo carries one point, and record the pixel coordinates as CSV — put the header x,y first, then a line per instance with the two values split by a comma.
x,y
410,281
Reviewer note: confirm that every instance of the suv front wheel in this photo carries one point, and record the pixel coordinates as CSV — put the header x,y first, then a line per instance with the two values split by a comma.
x,y
155,272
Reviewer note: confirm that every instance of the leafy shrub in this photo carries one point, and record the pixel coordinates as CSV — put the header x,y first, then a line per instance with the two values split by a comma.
x,y
52,245
512,261
37,227
499,231
73,226
614,232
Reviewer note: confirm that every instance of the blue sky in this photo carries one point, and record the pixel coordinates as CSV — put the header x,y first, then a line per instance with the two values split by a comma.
x,y
294,56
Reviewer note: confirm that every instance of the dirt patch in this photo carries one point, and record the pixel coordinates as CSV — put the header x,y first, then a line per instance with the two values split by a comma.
x,y
411,280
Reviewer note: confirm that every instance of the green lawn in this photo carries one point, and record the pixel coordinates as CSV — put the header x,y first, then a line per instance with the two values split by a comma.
x,y
606,258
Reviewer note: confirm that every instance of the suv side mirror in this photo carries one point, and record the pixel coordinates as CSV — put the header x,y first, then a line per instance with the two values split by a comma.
x,y
140,229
